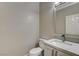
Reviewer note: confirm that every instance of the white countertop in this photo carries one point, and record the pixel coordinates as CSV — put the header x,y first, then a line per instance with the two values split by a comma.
x,y
69,46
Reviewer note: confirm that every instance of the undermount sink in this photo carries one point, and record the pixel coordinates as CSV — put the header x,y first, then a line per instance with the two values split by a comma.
x,y
60,41
65,42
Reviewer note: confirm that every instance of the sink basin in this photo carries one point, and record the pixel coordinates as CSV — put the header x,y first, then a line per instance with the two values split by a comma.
x,y
60,41
54,40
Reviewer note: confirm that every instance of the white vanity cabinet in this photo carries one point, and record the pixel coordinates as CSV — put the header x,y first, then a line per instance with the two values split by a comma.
x,y
56,47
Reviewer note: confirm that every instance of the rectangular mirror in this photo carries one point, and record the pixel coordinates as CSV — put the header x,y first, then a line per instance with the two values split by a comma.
x,y
67,19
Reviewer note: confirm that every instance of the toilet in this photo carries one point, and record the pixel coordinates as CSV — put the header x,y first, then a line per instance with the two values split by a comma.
x,y
35,52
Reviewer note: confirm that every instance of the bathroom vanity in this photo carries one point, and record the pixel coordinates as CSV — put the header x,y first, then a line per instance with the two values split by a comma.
x,y
55,47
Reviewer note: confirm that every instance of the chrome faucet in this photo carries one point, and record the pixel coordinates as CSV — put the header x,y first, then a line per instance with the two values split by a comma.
x,y
63,37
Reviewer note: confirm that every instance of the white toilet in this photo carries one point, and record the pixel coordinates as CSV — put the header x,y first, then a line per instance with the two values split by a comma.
x,y
36,52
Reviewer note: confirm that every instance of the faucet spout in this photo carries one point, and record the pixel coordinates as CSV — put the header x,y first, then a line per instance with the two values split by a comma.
x,y
63,38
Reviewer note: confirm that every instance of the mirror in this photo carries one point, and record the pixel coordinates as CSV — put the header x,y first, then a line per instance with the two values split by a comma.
x,y
65,15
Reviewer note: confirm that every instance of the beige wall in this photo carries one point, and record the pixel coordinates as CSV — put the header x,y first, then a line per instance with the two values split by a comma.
x,y
60,19
47,28
19,27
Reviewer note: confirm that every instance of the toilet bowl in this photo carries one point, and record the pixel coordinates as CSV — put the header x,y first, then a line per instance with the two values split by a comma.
x,y
36,52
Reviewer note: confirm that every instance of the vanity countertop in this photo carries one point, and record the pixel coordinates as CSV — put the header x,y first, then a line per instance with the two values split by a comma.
x,y
68,46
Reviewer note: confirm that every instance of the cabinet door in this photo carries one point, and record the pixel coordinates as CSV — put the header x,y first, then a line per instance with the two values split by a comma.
x,y
48,51
59,53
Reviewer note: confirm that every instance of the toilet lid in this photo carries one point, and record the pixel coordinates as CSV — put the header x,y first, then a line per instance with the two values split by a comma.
x,y
35,50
